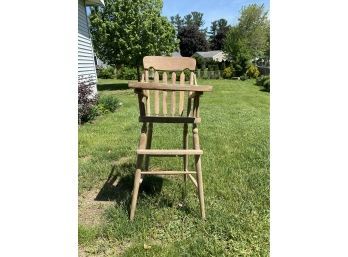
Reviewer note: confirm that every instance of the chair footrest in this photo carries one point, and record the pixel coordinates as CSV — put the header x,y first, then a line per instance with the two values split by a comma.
x,y
167,172
169,119
165,152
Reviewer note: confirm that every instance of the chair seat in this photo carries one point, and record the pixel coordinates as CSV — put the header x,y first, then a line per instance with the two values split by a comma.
x,y
169,119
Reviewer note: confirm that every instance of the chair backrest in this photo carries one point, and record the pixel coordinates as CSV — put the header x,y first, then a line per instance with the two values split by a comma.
x,y
167,70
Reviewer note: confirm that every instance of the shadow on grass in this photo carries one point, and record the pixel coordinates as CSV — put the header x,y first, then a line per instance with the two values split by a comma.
x,y
111,87
118,187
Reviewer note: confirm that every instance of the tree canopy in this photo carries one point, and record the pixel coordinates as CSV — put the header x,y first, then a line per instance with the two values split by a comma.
x,y
124,31
250,37
218,32
192,40
190,32
191,19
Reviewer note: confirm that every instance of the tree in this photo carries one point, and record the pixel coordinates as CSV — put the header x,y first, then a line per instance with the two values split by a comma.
x,y
194,18
124,31
177,21
218,32
248,39
192,40
191,34
191,19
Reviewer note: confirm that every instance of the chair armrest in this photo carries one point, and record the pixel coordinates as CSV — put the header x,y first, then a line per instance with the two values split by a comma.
x,y
169,87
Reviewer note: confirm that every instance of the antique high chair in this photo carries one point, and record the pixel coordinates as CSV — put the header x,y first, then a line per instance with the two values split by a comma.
x,y
174,113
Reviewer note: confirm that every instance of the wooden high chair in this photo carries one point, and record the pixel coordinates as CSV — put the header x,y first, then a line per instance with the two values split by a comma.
x,y
168,91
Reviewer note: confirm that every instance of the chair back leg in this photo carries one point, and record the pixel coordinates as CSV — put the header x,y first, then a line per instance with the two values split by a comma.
x,y
198,168
148,145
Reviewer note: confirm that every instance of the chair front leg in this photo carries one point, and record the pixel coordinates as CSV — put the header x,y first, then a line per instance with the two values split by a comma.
x,y
137,177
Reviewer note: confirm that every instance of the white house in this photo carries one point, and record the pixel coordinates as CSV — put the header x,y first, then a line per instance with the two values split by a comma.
x,y
217,55
176,54
86,63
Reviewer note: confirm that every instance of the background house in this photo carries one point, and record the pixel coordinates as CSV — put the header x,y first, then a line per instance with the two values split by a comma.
x,y
217,55
176,54
86,63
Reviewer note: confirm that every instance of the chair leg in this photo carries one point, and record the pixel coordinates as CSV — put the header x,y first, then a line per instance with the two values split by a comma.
x,y
137,178
185,146
148,145
198,167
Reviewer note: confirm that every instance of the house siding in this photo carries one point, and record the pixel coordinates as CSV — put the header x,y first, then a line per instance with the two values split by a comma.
x,y
216,55
86,65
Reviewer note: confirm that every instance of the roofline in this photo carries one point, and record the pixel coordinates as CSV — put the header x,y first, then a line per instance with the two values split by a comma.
x,y
95,2
220,51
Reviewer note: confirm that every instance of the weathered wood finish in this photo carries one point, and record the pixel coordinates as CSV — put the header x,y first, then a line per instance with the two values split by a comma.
x,y
168,172
148,112
198,170
156,80
173,112
173,102
164,104
193,180
169,119
148,145
165,63
181,94
167,87
137,177
172,152
185,146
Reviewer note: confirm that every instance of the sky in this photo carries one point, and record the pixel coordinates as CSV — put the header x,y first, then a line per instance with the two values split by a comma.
x,y
212,9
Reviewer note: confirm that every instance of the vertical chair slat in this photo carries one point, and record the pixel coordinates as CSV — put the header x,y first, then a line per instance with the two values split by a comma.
x,y
189,100
146,75
192,77
140,98
156,80
164,104
148,112
181,94
173,93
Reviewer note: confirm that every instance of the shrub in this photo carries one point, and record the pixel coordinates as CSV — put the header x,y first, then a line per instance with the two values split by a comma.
x,y
222,65
252,71
217,74
200,61
198,73
228,73
205,74
238,69
127,73
86,99
265,82
108,103
94,112
244,77
213,67
106,73
187,73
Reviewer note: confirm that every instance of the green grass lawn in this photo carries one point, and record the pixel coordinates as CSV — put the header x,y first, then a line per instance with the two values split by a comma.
x,y
234,135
